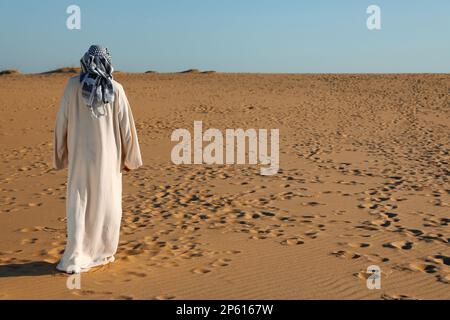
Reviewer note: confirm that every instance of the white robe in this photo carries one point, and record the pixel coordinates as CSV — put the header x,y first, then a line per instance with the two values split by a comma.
x,y
95,152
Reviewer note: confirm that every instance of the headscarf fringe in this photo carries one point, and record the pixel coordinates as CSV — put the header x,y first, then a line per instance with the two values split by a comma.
x,y
96,80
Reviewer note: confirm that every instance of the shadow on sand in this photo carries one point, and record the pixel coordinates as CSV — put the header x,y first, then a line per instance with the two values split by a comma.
x,y
36,268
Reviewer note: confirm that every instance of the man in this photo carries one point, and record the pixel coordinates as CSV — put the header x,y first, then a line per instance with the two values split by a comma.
x,y
95,137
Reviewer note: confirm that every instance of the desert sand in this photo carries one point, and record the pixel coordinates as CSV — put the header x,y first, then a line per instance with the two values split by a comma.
x,y
364,179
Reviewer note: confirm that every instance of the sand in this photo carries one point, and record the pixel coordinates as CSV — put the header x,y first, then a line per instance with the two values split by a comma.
x,y
364,180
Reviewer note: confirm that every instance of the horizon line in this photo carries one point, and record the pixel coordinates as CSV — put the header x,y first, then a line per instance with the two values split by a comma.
x,y
76,70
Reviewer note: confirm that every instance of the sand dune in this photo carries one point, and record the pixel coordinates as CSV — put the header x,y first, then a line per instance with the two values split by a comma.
x,y
9,72
64,70
364,180
191,71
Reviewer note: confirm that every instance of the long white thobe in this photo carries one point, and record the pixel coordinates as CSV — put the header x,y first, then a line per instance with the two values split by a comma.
x,y
95,152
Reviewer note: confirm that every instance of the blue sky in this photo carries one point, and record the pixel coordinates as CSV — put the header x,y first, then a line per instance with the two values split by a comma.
x,y
292,36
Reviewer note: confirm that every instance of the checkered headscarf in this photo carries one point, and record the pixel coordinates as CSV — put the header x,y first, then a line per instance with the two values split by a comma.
x,y
96,79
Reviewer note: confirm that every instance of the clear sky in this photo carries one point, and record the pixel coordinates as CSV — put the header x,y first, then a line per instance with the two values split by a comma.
x,y
295,36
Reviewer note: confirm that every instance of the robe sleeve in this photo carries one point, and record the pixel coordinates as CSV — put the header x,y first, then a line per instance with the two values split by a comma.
x,y
131,153
60,149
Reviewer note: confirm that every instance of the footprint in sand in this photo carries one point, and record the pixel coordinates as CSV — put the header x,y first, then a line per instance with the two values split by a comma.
x,y
346,254
33,204
233,251
405,245
420,266
137,274
292,241
222,262
81,293
52,255
218,263
364,275
355,245
164,297
386,296
201,270
439,259
437,264
312,234
29,241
